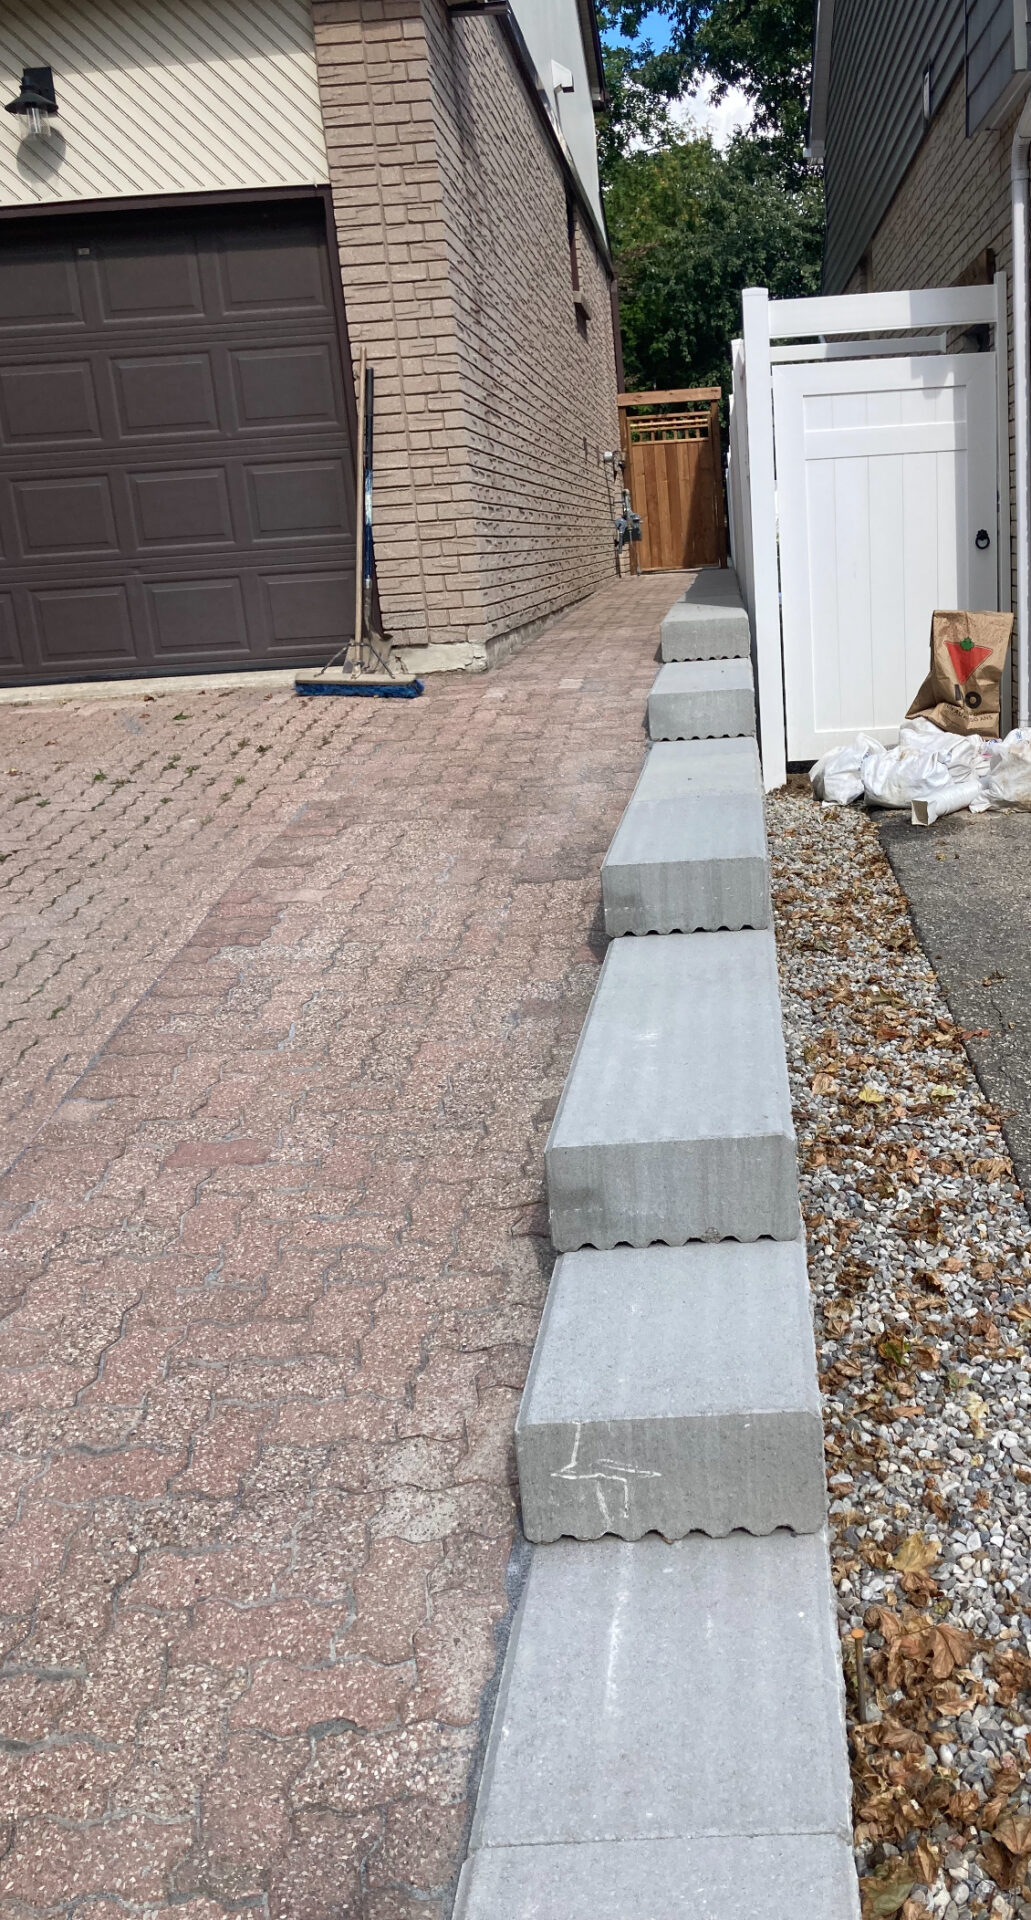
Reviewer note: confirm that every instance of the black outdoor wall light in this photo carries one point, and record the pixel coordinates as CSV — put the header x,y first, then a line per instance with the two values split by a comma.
x,y
37,99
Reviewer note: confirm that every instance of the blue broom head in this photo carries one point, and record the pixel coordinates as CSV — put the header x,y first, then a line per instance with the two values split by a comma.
x,y
371,690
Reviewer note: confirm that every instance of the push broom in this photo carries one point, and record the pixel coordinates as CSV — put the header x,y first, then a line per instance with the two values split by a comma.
x,y
362,668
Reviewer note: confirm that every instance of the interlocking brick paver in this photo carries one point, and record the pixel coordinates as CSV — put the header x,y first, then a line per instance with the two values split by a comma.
x,y
273,1259
120,825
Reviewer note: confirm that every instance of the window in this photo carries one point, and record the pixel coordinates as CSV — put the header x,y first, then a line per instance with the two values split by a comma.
x,y
579,303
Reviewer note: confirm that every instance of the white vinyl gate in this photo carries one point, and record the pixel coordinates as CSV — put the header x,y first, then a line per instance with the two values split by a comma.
x,y
865,491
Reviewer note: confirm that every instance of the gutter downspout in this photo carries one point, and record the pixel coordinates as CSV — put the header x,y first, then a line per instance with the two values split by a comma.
x,y
1019,157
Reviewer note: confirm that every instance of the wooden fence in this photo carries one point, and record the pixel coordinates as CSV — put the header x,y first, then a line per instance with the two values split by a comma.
x,y
671,446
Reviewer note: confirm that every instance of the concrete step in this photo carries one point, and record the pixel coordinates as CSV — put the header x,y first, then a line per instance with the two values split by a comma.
x,y
709,623
675,1120
712,587
673,1389
795,1877
663,1697
702,699
690,850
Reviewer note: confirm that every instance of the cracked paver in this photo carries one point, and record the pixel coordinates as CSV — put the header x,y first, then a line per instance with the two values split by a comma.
x,y
273,1260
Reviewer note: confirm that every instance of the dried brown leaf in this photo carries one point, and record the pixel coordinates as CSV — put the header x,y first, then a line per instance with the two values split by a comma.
x,y
1005,1868
926,1860
952,1648
1013,1832
916,1554
882,1897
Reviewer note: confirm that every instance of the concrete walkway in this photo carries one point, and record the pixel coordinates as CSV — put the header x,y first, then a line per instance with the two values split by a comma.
x,y
273,1266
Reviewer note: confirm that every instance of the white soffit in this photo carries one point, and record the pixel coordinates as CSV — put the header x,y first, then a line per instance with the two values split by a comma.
x,y
161,96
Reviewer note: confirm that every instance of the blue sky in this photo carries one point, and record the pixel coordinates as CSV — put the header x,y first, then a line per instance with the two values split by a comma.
x,y
654,27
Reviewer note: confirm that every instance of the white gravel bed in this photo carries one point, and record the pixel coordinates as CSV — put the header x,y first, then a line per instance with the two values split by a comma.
x,y
919,1257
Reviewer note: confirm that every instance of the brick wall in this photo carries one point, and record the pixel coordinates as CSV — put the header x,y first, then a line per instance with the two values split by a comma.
x,y
493,403
953,203
537,388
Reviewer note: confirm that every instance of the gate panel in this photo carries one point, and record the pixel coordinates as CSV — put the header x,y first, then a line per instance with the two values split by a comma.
x,y
671,445
886,471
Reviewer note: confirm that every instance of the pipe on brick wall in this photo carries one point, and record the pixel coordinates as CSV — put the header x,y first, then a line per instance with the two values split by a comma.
x,y
1019,158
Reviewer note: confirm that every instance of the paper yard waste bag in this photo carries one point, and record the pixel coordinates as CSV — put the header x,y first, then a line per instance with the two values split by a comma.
x,y
968,654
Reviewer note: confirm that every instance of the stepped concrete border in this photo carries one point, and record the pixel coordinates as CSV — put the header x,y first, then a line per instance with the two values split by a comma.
x,y
658,1692
669,1735
702,699
675,1121
690,851
673,1389
709,623
790,1877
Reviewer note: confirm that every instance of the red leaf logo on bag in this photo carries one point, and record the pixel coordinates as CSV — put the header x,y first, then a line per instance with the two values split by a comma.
x,y
965,658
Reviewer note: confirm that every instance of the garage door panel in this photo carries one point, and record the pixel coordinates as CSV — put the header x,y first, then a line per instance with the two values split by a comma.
x,y
64,518
48,406
313,609
198,618
183,507
298,500
81,623
10,645
166,394
178,490
289,388
43,292
148,282
273,277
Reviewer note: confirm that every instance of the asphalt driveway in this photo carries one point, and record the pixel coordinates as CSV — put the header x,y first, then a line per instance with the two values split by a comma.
x,y
968,882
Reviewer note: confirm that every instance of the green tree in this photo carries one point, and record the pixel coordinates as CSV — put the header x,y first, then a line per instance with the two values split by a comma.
x,y
765,48
692,226
762,46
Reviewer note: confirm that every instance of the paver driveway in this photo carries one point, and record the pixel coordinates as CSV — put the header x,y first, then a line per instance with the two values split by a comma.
x,y
274,1251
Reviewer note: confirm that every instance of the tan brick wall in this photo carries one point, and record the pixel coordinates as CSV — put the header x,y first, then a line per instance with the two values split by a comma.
x,y
953,202
537,388
493,407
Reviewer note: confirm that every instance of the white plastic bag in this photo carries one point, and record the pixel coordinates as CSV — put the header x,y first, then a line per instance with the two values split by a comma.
x,y
930,771
1008,780
957,750
893,778
836,778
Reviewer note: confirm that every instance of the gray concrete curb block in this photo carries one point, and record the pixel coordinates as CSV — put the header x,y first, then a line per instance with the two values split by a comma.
x,y
673,1389
702,699
712,587
694,632
674,1692
669,1738
690,851
675,1121
788,1877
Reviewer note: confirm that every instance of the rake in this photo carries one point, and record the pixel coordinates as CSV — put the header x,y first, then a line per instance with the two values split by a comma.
x,y
362,668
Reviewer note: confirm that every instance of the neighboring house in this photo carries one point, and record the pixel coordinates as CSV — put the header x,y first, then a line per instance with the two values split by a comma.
x,y
915,104
232,198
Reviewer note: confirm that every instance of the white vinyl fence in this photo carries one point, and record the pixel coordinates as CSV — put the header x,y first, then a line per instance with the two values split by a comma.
x,y
868,484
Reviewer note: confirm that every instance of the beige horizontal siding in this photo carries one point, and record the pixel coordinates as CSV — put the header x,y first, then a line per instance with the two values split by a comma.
x,y
162,96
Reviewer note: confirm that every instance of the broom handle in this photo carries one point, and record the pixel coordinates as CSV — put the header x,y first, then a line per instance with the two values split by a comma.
x,y
359,509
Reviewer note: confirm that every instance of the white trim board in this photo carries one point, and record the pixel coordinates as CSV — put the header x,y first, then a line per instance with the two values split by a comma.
x,y
883,312
859,349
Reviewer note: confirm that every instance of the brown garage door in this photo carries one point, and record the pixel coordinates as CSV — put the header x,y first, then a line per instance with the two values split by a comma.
x,y
176,446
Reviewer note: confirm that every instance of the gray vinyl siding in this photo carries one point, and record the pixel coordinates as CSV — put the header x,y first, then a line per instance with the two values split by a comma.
x,y
989,56
875,118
